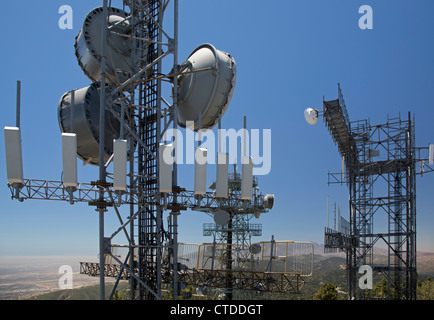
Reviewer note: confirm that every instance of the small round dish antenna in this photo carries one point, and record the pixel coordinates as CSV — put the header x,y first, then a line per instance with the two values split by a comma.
x,y
255,248
221,217
311,116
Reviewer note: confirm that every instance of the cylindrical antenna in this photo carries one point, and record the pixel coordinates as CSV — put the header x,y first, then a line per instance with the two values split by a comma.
x,y
122,122
219,132
245,137
200,128
343,169
18,103
334,213
340,209
165,125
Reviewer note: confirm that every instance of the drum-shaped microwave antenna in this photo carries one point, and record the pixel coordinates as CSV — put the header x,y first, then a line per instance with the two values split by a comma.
x,y
119,46
311,116
206,86
268,201
80,108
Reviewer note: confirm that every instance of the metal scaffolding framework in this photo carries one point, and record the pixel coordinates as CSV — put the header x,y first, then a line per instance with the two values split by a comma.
x,y
381,164
265,267
238,232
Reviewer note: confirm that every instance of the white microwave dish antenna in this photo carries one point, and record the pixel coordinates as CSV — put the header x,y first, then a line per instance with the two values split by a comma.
x,y
79,109
119,46
206,86
311,116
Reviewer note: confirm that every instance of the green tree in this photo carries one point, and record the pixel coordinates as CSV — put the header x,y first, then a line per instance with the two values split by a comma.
x,y
380,289
390,290
117,296
425,290
327,291
187,293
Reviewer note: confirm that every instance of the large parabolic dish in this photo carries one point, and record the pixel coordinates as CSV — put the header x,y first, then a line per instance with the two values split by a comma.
x,y
206,86
84,104
119,46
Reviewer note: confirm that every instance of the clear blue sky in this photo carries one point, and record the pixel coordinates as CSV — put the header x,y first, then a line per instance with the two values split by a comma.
x,y
289,55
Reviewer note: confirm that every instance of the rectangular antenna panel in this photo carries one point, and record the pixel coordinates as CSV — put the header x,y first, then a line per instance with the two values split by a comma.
x,y
14,156
221,190
431,154
343,169
165,166
200,170
373,153
120,164
247,178
69,159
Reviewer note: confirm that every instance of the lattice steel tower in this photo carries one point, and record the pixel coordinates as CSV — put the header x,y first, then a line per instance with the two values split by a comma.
x,y
119,124
234,230
379,168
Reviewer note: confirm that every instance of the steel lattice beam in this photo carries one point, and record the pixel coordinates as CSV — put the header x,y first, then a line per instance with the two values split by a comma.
x,y
90,192
276,282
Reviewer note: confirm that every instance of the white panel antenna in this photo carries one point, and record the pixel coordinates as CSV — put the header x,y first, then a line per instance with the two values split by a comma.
x,y
201,155
166,161
14,155
120,165
431,154
222,175
69,159
247,178
343,169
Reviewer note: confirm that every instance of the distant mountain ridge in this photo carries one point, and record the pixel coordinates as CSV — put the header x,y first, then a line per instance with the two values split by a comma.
x,y
424,260
328,267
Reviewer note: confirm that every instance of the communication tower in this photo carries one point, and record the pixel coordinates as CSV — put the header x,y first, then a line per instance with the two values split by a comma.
x,y
380,165
119,124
